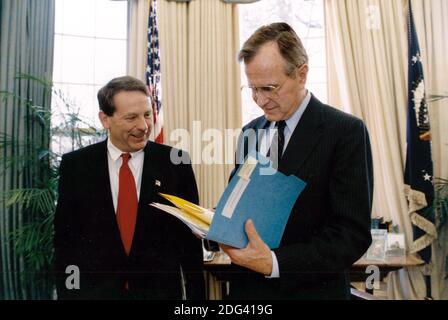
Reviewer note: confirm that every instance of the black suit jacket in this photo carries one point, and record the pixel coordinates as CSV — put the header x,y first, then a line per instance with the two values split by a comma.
x,y
329,226
87,234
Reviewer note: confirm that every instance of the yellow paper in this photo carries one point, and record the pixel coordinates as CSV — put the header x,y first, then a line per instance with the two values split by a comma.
x,y
190,208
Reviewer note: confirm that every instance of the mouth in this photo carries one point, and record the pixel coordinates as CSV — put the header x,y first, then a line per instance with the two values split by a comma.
x,y
269,109
139,137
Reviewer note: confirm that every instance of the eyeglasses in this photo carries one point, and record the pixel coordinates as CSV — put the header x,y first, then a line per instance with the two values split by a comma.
x,y
269,91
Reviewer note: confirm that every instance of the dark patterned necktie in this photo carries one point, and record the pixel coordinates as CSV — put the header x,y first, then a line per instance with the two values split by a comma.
x,y
278,142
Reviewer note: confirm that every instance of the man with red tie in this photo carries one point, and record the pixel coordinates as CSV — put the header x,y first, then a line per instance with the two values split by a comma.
x,y
104,225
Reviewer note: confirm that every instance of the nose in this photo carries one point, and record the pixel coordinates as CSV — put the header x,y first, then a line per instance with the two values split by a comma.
x,y
142,124
260,99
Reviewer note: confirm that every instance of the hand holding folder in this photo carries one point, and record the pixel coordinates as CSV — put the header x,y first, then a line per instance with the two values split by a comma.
x,y
257,192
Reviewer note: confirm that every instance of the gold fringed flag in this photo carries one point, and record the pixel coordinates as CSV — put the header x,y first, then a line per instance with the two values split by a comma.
x,y
418,172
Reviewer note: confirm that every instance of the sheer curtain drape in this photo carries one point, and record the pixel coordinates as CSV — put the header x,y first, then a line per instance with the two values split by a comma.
x,y
138,14
432,28
199,42
367,68
137,46
367,61
201,86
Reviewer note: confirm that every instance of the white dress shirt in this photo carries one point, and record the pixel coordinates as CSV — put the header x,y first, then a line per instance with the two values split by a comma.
x,y
115,160
291,124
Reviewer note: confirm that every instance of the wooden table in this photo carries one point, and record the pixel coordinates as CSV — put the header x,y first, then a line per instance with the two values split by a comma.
x,y
392,263
358,272
221,260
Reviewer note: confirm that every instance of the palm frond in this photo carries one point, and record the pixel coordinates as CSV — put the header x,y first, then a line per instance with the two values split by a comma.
x,y
34,199
436,97
440,201
42,115
32,238
6,95
46,84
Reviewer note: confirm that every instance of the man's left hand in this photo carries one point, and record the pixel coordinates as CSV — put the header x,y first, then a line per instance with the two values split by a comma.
x,y
255,256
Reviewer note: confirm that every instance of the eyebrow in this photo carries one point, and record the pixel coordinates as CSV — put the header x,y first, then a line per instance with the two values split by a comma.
x,y
264,86
131,114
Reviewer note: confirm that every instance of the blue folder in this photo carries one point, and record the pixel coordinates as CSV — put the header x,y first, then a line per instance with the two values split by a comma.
x,y
258,192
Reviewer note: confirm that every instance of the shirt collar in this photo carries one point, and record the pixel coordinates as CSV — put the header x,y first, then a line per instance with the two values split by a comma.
x,y
292,122
116,153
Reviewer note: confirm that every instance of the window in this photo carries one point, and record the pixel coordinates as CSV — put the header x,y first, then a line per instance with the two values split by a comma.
x,y
307,19
89,50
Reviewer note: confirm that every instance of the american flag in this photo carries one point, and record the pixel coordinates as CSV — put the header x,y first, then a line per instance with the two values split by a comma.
x,y
153,72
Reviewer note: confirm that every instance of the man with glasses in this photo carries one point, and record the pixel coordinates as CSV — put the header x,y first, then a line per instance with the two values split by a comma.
x,y
329,226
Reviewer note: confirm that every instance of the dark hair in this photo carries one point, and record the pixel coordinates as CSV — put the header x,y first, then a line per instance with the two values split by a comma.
x,y
289,44
114,86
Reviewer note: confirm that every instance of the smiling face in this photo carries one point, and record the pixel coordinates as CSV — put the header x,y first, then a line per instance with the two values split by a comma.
x,y
267,68
130,125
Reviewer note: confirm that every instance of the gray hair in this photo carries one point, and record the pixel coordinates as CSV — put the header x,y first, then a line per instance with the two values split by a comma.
x,y
289,44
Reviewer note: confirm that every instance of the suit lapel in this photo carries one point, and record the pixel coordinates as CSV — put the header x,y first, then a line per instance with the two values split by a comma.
x,y
304,138
100,168
262,124
103,196
149,174
100,178
148,190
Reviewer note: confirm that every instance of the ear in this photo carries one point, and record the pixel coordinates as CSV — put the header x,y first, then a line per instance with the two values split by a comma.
x,y
104,118
302,73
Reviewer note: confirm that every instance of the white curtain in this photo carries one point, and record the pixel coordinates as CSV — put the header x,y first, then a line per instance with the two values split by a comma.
x,y
201,86
432,29
138,14
137,46
367,65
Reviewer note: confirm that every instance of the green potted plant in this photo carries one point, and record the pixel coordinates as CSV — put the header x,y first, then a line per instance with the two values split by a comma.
x,y
33,240
439,209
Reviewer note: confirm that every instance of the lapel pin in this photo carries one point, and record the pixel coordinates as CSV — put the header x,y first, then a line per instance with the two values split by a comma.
x,y
158,183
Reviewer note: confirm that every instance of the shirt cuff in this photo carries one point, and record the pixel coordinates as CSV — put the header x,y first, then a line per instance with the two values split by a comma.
x,y
275,272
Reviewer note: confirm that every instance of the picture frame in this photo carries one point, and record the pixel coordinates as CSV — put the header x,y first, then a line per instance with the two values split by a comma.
x,y
377,250
396,246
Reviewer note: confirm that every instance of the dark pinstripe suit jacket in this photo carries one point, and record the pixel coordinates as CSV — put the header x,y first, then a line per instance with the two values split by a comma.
x,y
87,234
329,227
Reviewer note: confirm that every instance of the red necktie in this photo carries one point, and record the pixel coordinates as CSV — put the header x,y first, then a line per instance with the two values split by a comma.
x,y
127,203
